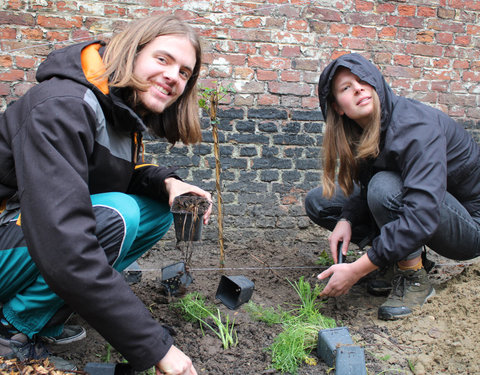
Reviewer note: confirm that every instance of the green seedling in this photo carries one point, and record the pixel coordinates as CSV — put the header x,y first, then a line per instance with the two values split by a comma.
x,y
194,308
324,259
301,325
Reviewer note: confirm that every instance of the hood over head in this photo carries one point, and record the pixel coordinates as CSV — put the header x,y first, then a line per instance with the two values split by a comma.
x,y
363,69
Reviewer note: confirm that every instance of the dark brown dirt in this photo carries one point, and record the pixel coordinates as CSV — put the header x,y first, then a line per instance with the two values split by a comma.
x,y
439,339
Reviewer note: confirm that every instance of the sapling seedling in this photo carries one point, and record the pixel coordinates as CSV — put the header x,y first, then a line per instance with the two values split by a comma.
x,y
194,308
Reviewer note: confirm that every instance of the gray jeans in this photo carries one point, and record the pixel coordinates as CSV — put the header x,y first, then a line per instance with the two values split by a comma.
x,y
457,236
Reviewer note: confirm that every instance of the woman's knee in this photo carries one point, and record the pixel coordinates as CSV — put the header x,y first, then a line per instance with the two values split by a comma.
x,y
314,202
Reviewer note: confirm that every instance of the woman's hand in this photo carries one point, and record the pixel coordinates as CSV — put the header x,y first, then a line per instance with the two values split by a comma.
x,y
344,276
341,233
176,187
175,362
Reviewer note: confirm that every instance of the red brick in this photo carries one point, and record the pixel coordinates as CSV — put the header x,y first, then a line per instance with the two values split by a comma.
x,y
305,64
8,33
425,36
6,61
269,50
290,76
402,60
339,29
63,6
446,13
297,25
439,86
388,32
24,62
310,102
356,44
441,63
276,63
407,10
421,85
234,59
440,75
114,10
32,34
363,6
364,32
289,88
58,22
444,38
464,40
4,89
473,30
461,64
58,36
424,50
290,51
471,76
426,12
267,75
385,8
266,99
21,19
12,75
252,23
244,73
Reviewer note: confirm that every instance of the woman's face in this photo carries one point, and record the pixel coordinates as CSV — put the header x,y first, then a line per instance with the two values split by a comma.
x,y
166,63
353,97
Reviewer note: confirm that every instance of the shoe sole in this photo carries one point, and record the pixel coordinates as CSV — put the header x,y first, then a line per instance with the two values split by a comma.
x,y
386,316
69,340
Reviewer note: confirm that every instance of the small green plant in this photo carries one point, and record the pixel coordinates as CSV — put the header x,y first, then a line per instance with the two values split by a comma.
x,y
324,259
300,328
268,315
194,308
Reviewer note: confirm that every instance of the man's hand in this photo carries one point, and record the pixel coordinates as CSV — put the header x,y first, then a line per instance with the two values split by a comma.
x,y
176,187
175,362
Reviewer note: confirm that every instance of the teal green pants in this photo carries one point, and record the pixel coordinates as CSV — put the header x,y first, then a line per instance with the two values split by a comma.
x,y
127,226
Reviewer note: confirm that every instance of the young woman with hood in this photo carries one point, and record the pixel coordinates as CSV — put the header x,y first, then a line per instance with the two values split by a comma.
x,y
79,204
397,175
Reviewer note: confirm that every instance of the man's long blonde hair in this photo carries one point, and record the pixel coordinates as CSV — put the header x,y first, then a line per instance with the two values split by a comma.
x,y
347,144
180,121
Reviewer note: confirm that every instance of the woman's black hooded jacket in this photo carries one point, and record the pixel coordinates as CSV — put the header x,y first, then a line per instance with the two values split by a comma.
x,y
432,154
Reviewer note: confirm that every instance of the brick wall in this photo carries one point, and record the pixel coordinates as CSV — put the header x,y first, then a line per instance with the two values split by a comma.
x,y
272,52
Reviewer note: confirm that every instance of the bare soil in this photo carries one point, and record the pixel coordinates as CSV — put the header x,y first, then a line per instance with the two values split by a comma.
x,y
440,338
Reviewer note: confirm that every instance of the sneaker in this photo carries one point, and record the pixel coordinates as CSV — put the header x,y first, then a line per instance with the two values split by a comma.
x,y
410,289
69,334
20,347
381,284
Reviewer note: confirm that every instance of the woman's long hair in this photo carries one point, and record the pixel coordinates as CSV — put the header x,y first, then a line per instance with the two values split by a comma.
x,y
179,121
346,142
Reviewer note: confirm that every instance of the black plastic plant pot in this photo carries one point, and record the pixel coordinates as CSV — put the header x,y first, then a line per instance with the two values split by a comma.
x,y
188,226
188,211
234,291
174,277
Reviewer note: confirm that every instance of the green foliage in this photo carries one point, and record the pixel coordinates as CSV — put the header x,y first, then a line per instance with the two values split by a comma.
x,y
268,315
324,259
300,328
194,308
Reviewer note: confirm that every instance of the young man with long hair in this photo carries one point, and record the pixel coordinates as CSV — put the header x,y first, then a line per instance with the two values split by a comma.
x,y
79,204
